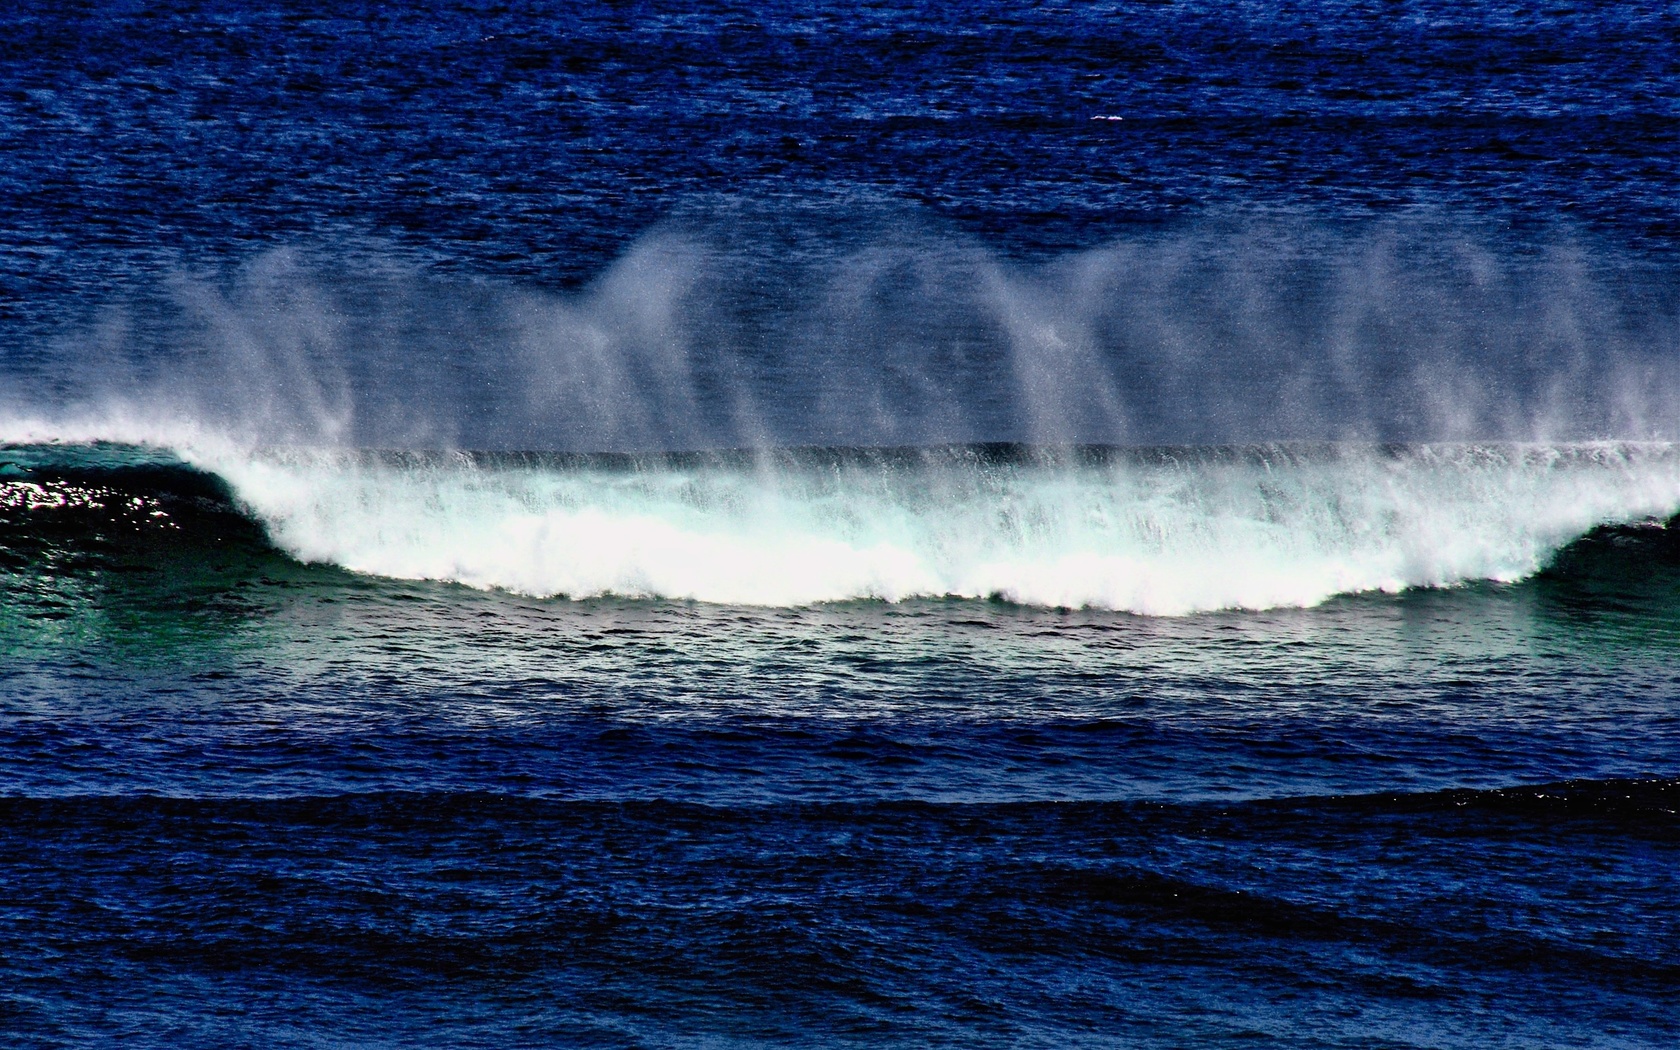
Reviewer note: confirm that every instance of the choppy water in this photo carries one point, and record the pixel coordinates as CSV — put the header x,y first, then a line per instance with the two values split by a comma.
x,y
1144,525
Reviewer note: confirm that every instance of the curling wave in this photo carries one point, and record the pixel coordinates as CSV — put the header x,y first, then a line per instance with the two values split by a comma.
x,y
1154,531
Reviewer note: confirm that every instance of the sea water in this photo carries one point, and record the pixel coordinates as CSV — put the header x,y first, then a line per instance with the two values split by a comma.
x,y
1130,525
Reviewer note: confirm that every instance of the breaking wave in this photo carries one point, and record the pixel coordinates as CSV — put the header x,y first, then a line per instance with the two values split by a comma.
x,y
1160,531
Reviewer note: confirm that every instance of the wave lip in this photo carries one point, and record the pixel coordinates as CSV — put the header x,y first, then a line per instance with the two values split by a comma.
x,y
1161,532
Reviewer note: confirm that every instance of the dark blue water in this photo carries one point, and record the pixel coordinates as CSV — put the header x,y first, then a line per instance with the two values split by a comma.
x,y
1130,524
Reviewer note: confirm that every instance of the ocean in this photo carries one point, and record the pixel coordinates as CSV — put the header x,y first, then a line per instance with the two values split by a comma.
x,y
1122,524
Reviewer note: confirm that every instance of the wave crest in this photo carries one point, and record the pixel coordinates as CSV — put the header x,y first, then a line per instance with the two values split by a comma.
x,y
1159,532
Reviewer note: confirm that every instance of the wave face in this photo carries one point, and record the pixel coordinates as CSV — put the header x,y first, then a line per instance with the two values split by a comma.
x,y
1154,531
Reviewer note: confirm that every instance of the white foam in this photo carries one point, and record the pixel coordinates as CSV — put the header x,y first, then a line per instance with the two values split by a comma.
x,y
1147,536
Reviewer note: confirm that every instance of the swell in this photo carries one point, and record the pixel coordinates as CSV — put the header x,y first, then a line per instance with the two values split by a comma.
x,y
1154,530
1103,881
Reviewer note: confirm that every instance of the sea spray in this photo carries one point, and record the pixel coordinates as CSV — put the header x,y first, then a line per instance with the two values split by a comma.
x,y
739,332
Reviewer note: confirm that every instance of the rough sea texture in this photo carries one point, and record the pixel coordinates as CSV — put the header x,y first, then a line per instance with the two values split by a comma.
x,y
945,524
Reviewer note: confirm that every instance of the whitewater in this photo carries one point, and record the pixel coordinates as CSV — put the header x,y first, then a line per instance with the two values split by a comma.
x,y
1155,531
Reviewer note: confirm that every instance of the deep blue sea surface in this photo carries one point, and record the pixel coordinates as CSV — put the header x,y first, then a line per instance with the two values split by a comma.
x,y
1120,524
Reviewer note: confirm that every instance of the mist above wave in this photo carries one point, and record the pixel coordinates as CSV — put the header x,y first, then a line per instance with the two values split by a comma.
x,y
751,329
